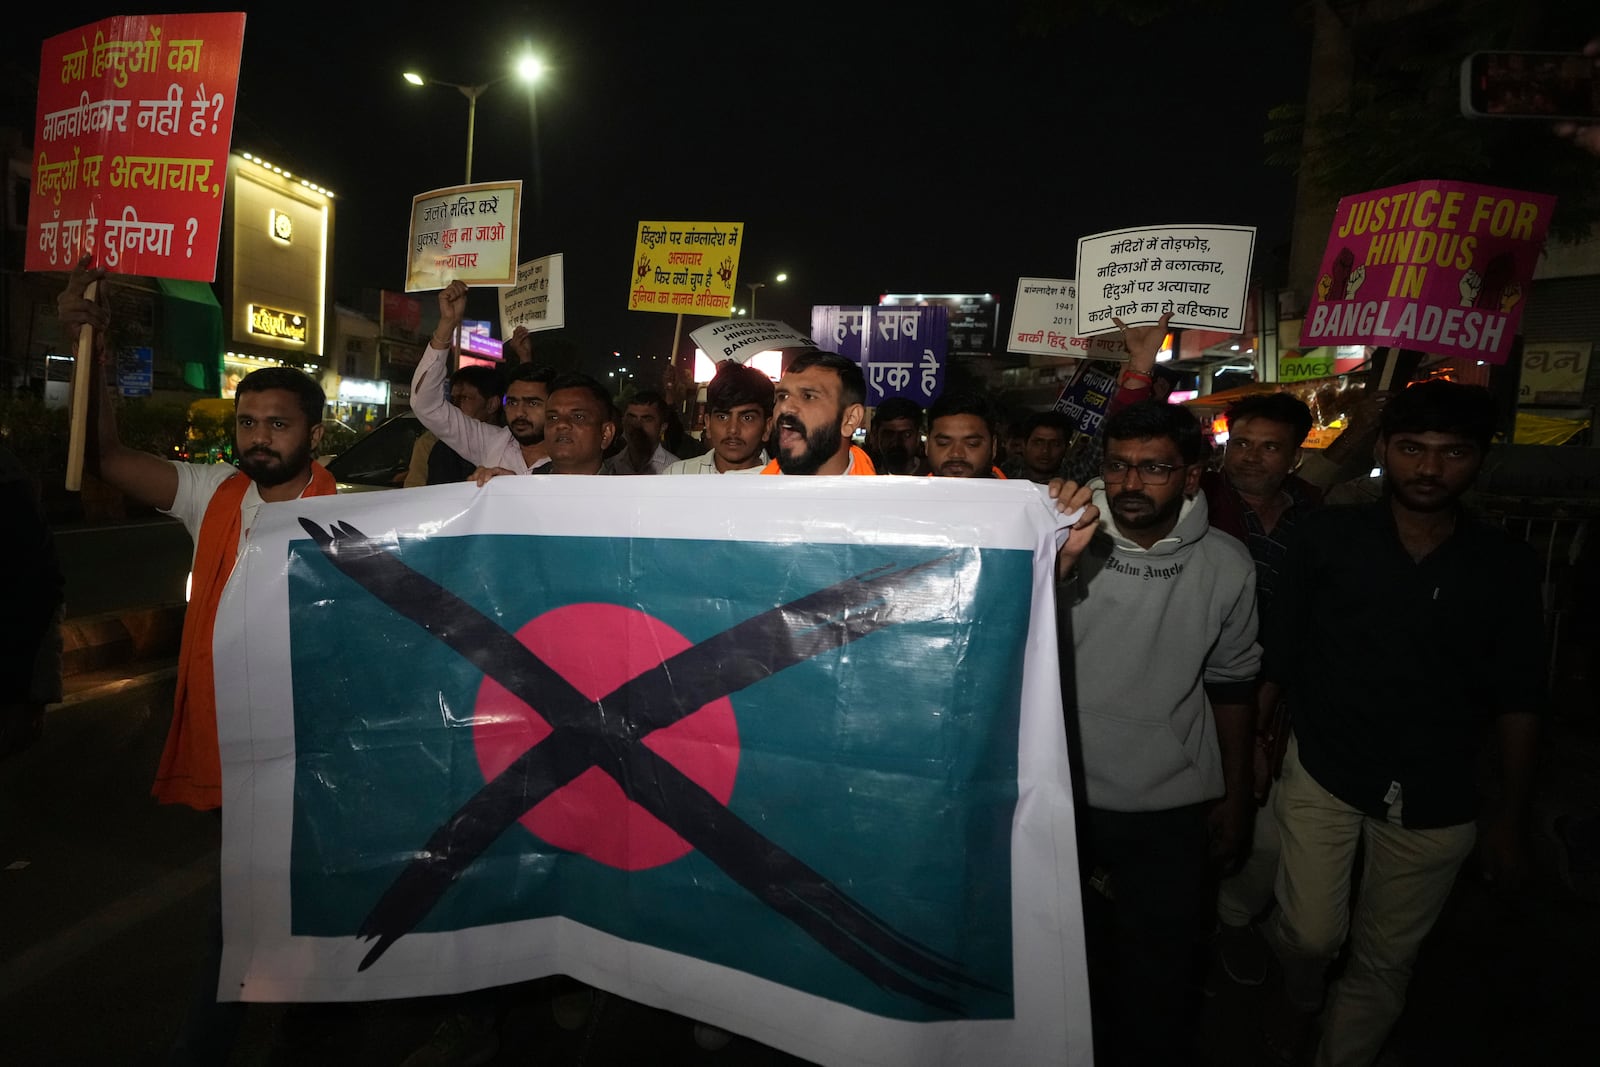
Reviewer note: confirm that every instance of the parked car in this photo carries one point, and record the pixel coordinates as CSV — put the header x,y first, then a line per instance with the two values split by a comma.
x,y
336,437
379,459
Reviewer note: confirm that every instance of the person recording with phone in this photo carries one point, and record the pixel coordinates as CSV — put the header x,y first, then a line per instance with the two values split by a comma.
x,y
1585,135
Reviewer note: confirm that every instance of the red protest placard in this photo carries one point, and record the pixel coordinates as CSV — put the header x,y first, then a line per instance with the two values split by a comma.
x,y
130,148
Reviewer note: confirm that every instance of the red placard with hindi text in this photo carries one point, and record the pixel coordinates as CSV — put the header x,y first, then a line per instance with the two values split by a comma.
x,y
130,148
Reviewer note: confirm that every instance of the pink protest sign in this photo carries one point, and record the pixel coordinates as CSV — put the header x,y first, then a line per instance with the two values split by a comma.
x,y
130,149
1441,267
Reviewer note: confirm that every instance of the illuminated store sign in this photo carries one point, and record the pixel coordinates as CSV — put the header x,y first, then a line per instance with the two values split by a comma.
x,y
362,391
284,325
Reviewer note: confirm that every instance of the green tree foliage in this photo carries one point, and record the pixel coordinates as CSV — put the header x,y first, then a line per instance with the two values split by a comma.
x,y
155,426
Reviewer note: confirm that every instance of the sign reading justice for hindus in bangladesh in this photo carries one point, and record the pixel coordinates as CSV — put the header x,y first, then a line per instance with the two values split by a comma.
x,y
130,148
1439,266
466,233
688,268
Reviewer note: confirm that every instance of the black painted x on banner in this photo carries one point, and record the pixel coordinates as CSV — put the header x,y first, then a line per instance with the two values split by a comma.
x,y
607,733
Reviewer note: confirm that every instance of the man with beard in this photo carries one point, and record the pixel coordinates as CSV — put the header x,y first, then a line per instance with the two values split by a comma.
x,y
1258,498
277,427
738,415
476,392
518,446
961,437
642,422
895,439
1432,623
818,407
1163,625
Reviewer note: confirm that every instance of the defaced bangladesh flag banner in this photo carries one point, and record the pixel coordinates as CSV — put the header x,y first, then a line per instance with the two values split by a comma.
x,y
783,755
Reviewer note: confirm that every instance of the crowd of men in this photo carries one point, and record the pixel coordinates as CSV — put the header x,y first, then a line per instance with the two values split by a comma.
x,y
1227,786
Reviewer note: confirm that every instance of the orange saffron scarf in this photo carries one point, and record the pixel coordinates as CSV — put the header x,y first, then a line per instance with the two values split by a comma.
x,y
191,764
859,464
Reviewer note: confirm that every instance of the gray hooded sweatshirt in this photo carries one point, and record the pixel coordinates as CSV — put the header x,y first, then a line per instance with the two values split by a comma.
x,y
1152,629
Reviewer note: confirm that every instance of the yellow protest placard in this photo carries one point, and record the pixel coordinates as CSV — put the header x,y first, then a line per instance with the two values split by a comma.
x,y
685,268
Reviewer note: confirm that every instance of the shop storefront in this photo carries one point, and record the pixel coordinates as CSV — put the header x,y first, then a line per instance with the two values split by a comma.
x,y
273,273
359,403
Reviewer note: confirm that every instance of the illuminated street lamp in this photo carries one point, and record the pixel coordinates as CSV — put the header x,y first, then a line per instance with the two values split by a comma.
x,y
753,286
529,69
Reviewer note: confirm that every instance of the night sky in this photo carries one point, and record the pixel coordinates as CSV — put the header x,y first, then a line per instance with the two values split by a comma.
x,y
868,148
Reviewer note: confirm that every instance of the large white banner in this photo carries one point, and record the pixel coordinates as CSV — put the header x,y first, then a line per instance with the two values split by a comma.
x,y
785,756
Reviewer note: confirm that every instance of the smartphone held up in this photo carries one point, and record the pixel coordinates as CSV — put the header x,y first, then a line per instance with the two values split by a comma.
x,y
1548,86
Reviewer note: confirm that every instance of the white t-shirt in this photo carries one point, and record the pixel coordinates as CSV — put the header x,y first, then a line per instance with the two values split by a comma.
x,y
197,483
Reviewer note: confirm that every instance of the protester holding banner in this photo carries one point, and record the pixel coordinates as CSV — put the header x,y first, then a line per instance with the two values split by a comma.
x,y
519,445
1388,758
819,406
277,428
738,415
1257,498
1163,625
580,423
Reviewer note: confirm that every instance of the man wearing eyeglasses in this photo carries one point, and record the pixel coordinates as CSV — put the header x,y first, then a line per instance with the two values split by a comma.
x,y
519,445
1163,624
1258,497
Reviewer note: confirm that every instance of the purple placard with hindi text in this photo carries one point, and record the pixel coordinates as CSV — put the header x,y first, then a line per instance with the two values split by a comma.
x,y
902,350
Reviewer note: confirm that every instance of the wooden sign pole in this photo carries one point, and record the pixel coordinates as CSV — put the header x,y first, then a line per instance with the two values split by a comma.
x,y
77,432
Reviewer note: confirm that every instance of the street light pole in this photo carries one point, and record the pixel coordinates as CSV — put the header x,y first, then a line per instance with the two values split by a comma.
x,y
753,286
529,70
472,92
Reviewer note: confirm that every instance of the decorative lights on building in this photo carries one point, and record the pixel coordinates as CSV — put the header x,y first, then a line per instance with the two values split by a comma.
x,y
264,164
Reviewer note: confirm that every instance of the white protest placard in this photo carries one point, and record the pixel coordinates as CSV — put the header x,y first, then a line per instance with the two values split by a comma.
x,y
742,338
538,300
1044,317
1198,274
466,233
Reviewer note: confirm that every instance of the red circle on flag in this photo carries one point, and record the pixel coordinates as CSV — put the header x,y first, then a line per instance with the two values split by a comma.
x,y
598,648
